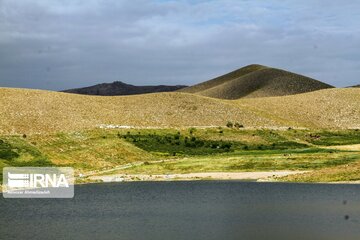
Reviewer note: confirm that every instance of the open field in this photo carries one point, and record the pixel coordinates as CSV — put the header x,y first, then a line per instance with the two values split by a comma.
x,y
325,154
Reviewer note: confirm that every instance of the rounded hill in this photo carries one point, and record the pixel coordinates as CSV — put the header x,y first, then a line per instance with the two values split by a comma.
x,y
255,81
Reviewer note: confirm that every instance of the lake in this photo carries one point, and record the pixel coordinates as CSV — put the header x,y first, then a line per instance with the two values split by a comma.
x,y
188,210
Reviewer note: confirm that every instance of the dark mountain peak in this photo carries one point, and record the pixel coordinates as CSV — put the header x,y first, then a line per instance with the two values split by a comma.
x,y
121,88
119,83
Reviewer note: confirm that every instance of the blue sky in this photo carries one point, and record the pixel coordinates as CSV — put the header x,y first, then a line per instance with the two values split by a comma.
x,y
65,44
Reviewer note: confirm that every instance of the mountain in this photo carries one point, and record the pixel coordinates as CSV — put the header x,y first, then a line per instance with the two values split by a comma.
x,y
24,111
120,88
255,81
356,86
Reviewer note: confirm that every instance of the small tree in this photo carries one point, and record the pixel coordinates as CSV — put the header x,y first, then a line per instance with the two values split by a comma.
x,y
229,124
221,131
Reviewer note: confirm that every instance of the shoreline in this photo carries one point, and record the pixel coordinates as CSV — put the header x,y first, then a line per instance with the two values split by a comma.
x,y
172,178
269,176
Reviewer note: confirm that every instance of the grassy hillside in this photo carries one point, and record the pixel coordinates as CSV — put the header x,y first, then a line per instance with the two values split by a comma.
x,y
34,111
256,81
223,79
167,151
329,108
84,151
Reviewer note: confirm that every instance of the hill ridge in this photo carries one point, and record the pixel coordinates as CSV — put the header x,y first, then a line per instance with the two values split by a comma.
x,y
119,88
24,111
256,81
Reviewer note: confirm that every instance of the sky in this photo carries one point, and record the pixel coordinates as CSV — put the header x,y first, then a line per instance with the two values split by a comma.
x,y
62,44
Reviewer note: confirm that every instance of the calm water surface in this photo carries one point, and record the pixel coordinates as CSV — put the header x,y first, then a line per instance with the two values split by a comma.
x,y
188,210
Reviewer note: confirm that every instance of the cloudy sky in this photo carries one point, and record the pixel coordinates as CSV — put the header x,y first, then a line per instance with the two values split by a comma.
x,y
69,43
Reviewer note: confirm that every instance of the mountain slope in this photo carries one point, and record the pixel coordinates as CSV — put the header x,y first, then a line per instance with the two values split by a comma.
x,y
120,88
222,79
255,81
356,86
36,111
31,111
328,108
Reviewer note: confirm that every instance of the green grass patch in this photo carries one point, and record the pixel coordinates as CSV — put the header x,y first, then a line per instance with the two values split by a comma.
x,y
199,141
330,138
17,152
177,144
251,162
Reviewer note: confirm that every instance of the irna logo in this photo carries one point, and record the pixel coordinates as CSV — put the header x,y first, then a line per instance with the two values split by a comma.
x,y
38,182
18,180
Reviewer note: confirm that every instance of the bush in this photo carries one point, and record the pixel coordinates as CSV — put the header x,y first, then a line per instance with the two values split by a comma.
x,y
229,124
199,143
226,145
238,125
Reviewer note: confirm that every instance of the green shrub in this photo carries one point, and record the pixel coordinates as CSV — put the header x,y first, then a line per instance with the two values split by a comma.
x,y
6,151
238,125
229,124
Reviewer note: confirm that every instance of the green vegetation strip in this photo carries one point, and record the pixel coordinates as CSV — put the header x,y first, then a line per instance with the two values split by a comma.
x,y
225,149
242,163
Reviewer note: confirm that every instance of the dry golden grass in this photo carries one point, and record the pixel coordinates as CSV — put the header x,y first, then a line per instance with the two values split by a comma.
x,y
329,108
222,79
35,111
255,81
